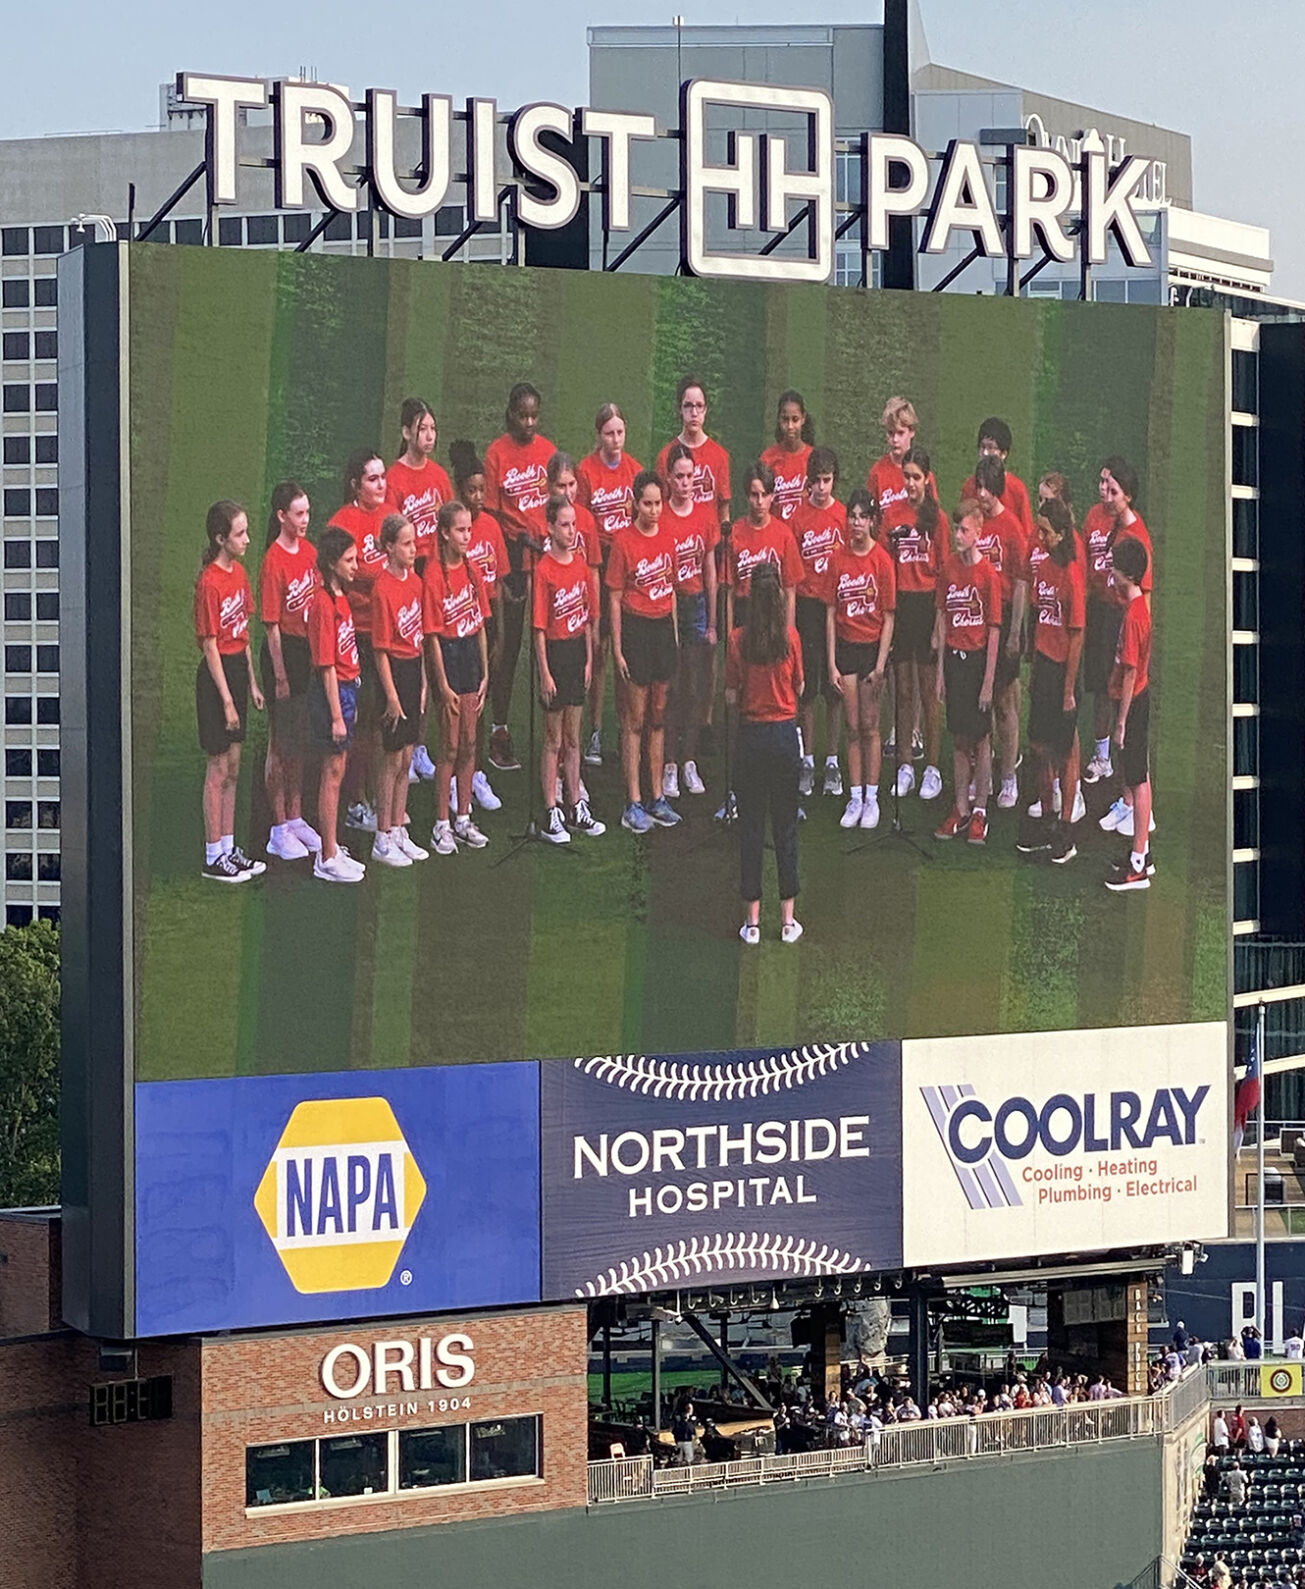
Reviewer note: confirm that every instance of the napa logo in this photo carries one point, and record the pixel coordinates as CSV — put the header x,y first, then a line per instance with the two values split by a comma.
x,y
340,1195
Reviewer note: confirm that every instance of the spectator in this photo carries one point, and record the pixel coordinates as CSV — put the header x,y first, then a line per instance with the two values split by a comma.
x,y
684,1431
1271,1436
1294,1347
1237,1428
1252,1345
1195,1351
1180,1336
1235,1484
1236,1352
1254,1435
1221,1436
1173,1364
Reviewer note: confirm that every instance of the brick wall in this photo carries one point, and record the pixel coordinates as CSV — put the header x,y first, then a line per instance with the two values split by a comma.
x,y
263,1389
29,1274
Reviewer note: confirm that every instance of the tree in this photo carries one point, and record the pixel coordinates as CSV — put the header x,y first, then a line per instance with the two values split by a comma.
x,y
29,1065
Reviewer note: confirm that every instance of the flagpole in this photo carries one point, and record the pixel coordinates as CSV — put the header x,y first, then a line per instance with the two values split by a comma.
x,y
1259,1183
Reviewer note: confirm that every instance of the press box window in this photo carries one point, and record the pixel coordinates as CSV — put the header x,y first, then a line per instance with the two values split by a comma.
x,y
353,1465
431,1457
47,659
46,345
18,502
504,1448
280,1475
47,240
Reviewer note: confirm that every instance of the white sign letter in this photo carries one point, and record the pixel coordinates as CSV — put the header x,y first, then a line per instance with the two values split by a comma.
x,y
482,186
392,1357
962,203
1041,212
883,152
436,124
362,1362
222,95
459,1366
1108,206
549,167
319,157
616,128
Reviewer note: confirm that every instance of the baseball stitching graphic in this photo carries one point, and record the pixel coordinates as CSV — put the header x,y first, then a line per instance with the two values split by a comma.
x,y
704,1255
686,1079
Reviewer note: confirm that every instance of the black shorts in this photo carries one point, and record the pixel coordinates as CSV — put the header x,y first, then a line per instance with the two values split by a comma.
x,y
809,619
604,605
319,714
856,658
963,677
1050,725
649,648
406,673
288,718
566,662
514,583
214,736
913,627
461,663
365,694
1008,667
1100,639
1135,758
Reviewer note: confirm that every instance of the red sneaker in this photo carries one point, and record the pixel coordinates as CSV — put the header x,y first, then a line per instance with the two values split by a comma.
x,y
978,833
951,825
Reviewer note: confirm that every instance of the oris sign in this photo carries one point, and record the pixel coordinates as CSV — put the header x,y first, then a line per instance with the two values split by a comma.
x,y
443,1362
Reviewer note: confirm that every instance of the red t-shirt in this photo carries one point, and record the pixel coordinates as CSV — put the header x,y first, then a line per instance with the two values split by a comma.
x,y
887,485
790,478
286,582
608,493
453,600
1015,499
365,527
418,494
697,535
918,558
1002,542
516,484
224,605
766,694
488,551
562,597
331,639
586,537
969,597
1057,593
862,591
711,471
818,533
642,568
1101,537
750,546
397,614
1133,650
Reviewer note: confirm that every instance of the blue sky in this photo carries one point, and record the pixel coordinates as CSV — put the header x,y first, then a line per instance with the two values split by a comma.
x,y
1231,76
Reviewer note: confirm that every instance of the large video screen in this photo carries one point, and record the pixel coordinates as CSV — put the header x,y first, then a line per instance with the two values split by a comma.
x,y
248,370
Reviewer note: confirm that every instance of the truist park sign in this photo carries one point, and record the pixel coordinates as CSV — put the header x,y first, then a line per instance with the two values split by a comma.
x,y
762,182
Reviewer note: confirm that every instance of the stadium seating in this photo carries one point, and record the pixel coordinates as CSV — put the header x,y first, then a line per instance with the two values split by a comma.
x,y
1263,1539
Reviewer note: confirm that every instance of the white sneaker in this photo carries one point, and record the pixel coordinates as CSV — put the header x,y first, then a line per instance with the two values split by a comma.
x,y
413,775
286,845
466,832
750,934
594,750
791,931
1008,794
693,784
905,779
851,816
931,784
385,852
1080,806
553,828
408,845
1057,799
352,863
361,816
670,781
890,744
1121,809
308,836
482,794
1125,827
341,868
833,779
870,811
806,777
917,745
422,765
1035,810
442,840
1098,768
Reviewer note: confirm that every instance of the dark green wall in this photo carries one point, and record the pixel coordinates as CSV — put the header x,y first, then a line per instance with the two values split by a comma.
x,y
1084,1519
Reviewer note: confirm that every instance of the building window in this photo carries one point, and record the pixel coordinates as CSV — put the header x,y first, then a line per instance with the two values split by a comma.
x,y
50,913
504,1448
1245,538
47,606
48,869
229,231
430,1457
296,225
18,866
47,709
47,240
18,606
262,229
46,345
18,709
18,449
18,814
18,659
404,227
449,221
15,345
353,1465
47,449
47,397
1245,383
47,659
339,229
47,814
191,232
18,764
18,502
18,915
47,502
47,293
47,554
13,240
47,764
18,554
280,1475
16,294
16,399
1245,456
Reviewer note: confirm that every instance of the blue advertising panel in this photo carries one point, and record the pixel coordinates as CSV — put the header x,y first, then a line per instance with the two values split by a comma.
x,y
752,1165
281,1199
1217,1299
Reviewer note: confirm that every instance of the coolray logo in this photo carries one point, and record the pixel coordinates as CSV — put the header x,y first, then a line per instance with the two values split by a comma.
x,y
980,1141
340,1195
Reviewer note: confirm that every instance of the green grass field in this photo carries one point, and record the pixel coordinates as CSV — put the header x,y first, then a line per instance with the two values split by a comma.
x,y
245,369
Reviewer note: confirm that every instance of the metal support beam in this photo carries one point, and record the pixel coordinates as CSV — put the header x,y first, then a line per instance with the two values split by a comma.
x,y
735,1373
663,214
975,253
918,1347
657,1373
173,199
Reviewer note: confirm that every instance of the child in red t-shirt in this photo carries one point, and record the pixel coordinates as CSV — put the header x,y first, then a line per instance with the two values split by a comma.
x,y
1003,542
224,685
333,694
397,644
995,441
415,485
917,543
818,527
697,535
795,436
1130,687
488,551
562,620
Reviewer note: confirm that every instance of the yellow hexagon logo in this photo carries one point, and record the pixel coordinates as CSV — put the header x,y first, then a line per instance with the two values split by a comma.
x,y
340,1195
